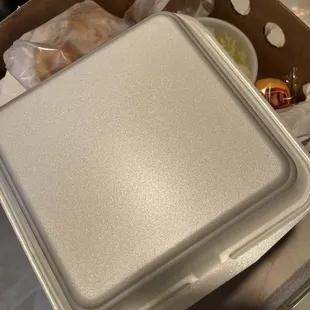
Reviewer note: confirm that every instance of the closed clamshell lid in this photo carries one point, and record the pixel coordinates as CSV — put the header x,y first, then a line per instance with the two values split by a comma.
x,y
125,158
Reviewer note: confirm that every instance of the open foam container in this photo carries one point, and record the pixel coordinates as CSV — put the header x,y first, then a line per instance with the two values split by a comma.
x,y
148,173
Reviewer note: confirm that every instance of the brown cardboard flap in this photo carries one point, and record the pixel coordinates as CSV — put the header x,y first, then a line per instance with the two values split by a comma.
x,y
37,12
273,62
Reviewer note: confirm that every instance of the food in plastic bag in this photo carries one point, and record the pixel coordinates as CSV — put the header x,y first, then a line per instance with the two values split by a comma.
x,y
275,91
48,60
51,47
141,9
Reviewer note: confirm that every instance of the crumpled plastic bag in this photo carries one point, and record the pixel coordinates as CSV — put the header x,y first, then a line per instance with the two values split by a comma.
x,y
297,118
49,48
141,9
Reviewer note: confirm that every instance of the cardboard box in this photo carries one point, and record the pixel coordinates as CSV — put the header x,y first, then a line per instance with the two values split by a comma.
x,y
273,62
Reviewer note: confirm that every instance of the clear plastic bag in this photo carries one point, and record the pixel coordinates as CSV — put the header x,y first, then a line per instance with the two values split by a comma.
x,y
297,118
49,48
144,8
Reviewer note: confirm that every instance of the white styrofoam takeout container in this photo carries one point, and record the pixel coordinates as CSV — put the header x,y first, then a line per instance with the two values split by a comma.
x,y
148,173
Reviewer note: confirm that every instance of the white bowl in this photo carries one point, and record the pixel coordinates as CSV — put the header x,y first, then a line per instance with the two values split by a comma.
x,y
239,36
